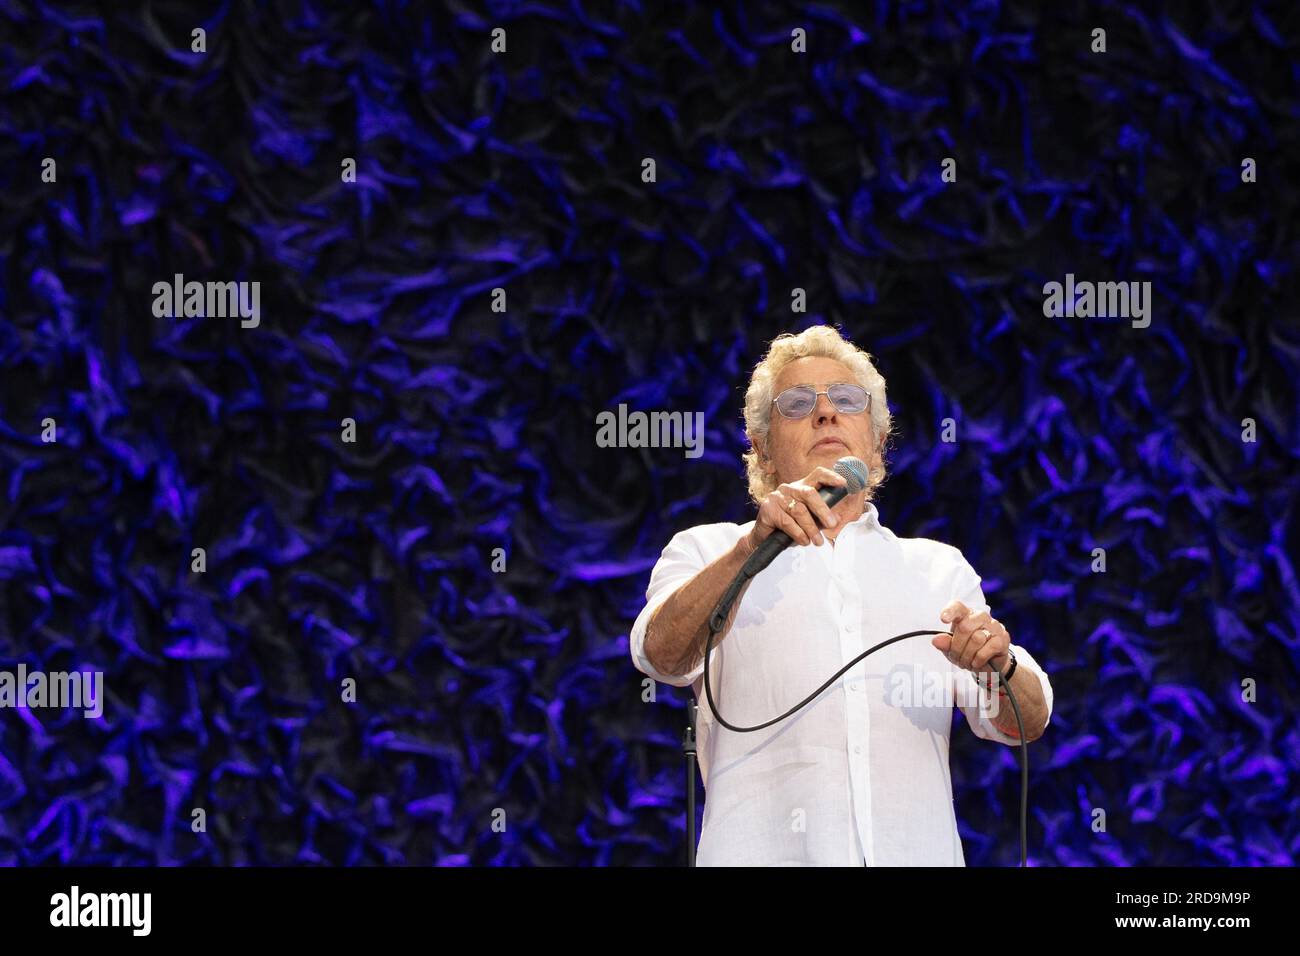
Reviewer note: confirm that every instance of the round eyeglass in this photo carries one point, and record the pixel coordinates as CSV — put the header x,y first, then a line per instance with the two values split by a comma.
x,y
800,400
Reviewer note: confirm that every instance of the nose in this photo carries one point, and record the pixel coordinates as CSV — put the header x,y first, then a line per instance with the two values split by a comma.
x,y
824,409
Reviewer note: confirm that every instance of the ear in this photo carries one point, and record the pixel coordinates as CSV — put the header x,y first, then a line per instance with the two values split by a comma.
x,y
877,461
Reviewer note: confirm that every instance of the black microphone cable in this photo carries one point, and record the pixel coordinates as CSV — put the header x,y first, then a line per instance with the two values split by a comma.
x,y
716,623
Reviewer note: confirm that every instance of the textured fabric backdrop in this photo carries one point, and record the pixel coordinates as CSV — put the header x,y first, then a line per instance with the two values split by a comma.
x,y
510,696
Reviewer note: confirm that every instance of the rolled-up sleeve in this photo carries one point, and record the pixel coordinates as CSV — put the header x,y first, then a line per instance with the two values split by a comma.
x,y
680,561
969,592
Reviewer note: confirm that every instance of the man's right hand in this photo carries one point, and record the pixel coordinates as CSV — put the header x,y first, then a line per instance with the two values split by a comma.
x,y
802,520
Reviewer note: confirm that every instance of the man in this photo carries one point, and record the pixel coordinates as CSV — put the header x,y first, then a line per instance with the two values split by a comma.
x,y
860,775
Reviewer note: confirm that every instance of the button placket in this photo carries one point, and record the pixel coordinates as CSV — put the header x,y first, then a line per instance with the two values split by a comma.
x,y
857,714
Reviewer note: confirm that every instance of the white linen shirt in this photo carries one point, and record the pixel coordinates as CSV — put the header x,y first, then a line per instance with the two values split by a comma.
x,y
860,775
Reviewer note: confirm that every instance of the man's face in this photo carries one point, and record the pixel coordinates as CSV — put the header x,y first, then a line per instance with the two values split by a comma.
x,y
797,446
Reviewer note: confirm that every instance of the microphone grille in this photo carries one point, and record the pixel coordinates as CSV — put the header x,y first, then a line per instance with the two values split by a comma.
x,y
854,472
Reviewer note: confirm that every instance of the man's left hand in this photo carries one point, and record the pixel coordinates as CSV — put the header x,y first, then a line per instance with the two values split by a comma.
x,y
977,642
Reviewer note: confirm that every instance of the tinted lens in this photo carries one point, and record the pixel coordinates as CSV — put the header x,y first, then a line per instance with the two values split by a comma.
x,y
796,402
849,399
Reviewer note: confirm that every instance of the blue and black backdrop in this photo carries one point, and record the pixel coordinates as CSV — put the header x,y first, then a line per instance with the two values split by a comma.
x,y
394,476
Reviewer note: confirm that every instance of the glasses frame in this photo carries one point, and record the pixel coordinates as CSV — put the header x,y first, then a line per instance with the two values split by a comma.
x,y
816,395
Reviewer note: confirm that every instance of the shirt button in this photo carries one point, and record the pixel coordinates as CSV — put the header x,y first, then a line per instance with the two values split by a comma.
x,y
857,750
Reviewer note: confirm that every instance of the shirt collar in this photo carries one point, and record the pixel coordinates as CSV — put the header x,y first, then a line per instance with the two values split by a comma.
x,y
870,519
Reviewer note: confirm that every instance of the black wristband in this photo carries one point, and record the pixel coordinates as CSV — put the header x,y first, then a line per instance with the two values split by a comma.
x,y
1012,669
1003,680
